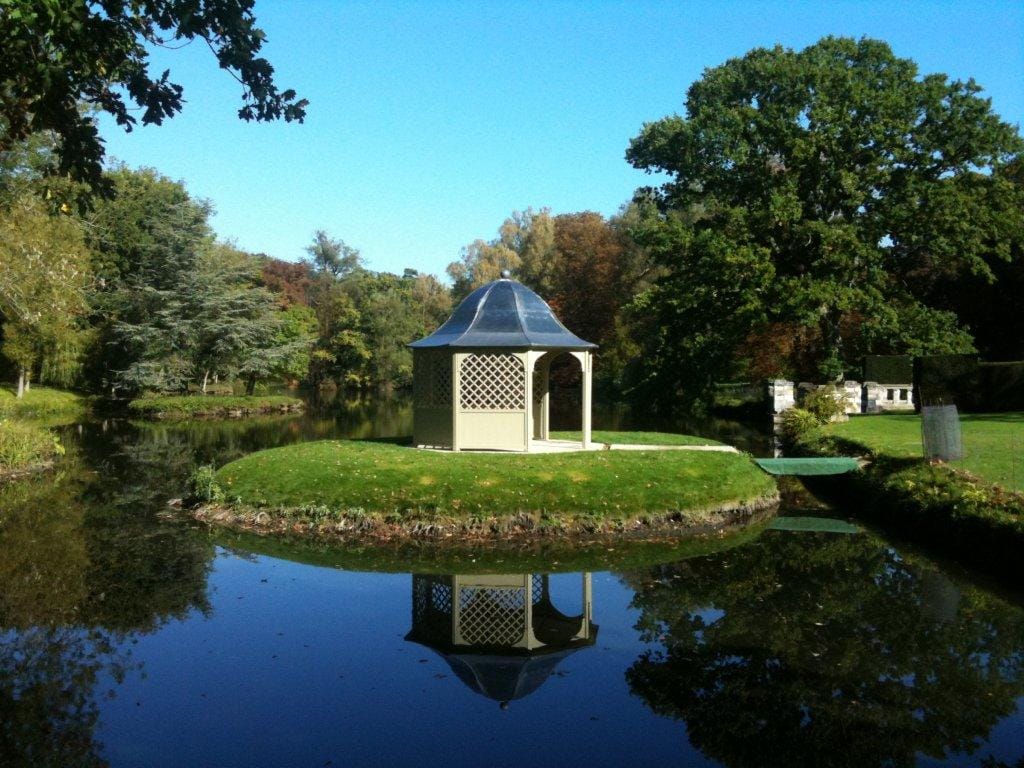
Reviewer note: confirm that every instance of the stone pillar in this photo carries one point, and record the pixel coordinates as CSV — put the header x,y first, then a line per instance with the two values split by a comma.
x,y
852,392
874,393
780,395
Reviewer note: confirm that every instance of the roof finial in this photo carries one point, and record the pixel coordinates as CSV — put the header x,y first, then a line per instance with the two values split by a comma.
x,y
505,274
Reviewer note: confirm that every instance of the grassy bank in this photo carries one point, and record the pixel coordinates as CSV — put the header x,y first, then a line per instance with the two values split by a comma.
x,y
962,512
211,406
25,448
51,405
993,442
387,489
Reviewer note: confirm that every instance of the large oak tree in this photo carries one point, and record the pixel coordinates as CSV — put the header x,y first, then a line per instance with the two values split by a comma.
x,y
815,187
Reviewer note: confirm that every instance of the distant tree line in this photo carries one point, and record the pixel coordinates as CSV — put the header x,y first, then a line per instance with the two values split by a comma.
x,y
820,205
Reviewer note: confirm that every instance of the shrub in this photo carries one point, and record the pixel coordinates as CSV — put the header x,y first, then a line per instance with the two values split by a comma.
x,y
203,485
825,403
797,422
889,369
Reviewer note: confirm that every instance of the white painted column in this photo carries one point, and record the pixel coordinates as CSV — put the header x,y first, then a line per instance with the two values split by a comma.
x,y
588,592
588,364
456,612
529,358
529,639
545,407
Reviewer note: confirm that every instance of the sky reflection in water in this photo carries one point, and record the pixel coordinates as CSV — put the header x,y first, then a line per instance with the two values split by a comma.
x,y
128,639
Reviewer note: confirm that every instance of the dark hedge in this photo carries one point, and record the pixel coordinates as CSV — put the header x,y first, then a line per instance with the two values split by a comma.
x,y
970,385
889,369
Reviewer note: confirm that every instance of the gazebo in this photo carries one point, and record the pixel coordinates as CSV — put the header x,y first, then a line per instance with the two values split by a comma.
x,y
500,633
481,381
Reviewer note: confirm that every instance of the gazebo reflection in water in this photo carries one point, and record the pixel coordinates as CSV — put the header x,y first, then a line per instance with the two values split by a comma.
x,y
500,633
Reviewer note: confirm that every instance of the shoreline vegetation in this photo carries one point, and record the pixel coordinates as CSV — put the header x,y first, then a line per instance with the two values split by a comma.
x,y
387,490
53,406
25,449
965,515
213,406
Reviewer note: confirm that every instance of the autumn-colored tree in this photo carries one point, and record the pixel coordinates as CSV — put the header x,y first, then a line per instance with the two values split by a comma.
x,y
288,280
588,290
524,247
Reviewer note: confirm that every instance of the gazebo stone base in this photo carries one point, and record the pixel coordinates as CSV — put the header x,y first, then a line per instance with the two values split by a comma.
x,y
574,446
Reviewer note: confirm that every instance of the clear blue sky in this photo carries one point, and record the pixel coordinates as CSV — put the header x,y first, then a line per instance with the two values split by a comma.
x,y
430,122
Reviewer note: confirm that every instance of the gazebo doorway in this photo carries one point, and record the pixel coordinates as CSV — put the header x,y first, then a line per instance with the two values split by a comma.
x,y
559,373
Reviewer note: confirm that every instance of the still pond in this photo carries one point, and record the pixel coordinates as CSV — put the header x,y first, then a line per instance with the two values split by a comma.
x,y
130,637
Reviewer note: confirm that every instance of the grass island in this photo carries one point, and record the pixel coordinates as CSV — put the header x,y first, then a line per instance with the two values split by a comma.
x,y
388,489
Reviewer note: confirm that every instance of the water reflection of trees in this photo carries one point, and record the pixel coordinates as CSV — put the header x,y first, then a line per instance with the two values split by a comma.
x,y
80,577
841,653
48,707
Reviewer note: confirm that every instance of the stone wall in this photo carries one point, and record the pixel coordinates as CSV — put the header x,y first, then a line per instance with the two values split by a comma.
x,y
869,397
879,398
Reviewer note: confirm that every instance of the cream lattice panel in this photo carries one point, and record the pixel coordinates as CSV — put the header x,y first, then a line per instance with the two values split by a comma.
x,y
441,597
441,381
432,380
490,616
492,382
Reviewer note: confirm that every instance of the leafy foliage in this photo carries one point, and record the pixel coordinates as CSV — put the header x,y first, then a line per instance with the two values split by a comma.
x,y
587,268
44,271
825,403
61,55
796,422
815,187
203,485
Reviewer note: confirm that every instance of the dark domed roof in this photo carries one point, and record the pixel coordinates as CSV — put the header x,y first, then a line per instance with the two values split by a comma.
x,y
505,678
504,313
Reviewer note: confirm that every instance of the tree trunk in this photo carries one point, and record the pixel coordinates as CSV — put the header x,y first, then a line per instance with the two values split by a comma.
x,y
250,385
206,378
832,346
21,382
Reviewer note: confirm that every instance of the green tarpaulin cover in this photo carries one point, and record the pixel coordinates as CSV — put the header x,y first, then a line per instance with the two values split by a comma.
x,y
835,465
814,524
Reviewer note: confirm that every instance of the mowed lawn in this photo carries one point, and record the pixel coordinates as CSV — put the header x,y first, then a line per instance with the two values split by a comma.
x,y
388,478
993,442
